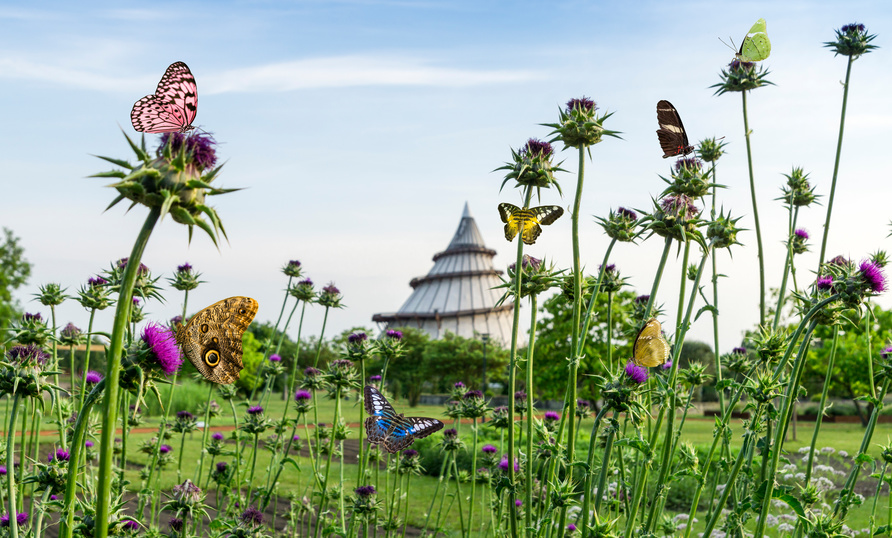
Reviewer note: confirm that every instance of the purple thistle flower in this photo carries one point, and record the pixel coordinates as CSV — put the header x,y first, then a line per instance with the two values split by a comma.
x,y
70,331
131,525
739,350
3,470
583,403
518,503
176,320
737,65
365,491
873,277
296,438
801,233
33,317
141,270
176,524
375,378
251,517
21,518
185,268
61,455
275,358
185,415
136,301
472,394
854,28
551,416
840,260
503,464
29,355
394,335
410,453
609,269
459,385
163,345
96,282
886,353
357,338
88,444
451,433
294,263
642,299
92,377
217,436
342,363
627,214
680,206
200,147
306,282
310,371
824,282
222,466
489,449
54,497
520,395
537,148
666,365
571,528
302,395
582,103
331,289
255,410
637,374
690,163
164,449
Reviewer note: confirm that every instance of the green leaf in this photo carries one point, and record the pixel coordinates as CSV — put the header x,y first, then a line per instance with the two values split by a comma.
x,y
119,162
707,308
863,458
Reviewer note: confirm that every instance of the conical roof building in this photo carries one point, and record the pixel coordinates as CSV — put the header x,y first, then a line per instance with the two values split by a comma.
x,y
457,294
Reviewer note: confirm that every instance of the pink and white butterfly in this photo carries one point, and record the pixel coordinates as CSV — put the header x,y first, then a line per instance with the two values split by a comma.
x,y
172,108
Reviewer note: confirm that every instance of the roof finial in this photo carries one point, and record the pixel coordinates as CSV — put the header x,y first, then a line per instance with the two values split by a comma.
x,y
466,214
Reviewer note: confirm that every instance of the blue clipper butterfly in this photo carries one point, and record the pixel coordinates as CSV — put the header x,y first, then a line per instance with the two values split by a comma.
x,y
394,432
673,138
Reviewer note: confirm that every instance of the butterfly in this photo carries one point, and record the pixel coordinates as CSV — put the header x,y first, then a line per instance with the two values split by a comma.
x,y
650,349
530,218
392,431
172,108
755,46
212,340
673,138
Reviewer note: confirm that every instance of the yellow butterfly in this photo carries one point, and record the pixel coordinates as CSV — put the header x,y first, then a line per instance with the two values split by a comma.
x,y
530,218
651,349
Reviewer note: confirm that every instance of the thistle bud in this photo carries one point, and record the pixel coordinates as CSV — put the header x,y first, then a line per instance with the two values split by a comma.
x,y
852,40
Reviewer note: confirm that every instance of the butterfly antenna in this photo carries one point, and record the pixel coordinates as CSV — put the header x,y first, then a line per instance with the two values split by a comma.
x,y
731,46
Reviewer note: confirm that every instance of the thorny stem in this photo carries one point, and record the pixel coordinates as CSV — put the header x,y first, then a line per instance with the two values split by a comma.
x,y
749,160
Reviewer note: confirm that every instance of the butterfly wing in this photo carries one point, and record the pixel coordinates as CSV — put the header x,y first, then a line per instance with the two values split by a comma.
x,y
673,138
172,107
212,340
512,224
650,349
544,215
382,415
422,427
755,46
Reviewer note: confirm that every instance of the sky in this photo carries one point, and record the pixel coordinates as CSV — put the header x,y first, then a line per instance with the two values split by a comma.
x,y
359,129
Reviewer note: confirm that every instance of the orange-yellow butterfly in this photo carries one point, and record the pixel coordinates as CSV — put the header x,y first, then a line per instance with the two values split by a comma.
x,y
651,349
530,218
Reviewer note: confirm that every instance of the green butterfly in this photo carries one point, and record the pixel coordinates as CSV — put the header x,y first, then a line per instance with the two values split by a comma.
x,y
756,46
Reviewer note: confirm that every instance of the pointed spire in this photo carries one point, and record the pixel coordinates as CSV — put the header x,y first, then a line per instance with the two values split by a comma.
x,y
467,233
466,214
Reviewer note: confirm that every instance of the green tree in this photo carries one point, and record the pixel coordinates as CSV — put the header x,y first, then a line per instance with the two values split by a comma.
x,y
406,375
14,273
455,358
553,343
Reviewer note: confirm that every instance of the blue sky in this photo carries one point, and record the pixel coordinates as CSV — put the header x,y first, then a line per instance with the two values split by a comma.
x,y
360,128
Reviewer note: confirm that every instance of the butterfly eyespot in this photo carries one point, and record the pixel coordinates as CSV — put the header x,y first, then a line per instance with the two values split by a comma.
x,y
212,357
241,310
204,327
215,340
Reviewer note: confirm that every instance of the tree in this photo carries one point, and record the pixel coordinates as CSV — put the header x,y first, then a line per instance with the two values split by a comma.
x,y
14,273
407,374
553,343
455,358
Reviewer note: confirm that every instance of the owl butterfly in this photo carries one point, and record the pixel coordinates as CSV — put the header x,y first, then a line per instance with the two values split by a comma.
x,y
755,46
212,340
651,349
392,431
530,218
172,108
673,138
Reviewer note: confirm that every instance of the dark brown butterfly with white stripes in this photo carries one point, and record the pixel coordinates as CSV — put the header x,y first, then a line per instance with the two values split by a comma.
x,y
212,340
530,217
393,431
673,138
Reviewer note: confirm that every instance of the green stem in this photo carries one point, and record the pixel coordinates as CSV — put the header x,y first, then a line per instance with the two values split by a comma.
x,y
87,356
749,160
38,520
10,465
474,475
66,523
528,497
334,426
518,278
715,314
113,374
58,402
794,215
822,405
589,475
842,125
205,433
321,335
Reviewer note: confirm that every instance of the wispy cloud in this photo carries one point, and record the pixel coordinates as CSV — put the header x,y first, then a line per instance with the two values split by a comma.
x,y
359,70
331,72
